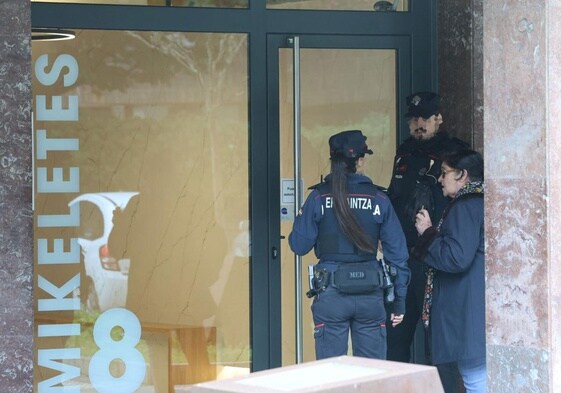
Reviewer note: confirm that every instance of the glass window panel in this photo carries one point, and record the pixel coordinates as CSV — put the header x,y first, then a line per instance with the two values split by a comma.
x,y
141,156
119,2
211,3
341,89
343,5
177,3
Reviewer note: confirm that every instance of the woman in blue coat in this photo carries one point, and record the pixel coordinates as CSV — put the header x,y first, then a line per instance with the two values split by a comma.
x,y
454,251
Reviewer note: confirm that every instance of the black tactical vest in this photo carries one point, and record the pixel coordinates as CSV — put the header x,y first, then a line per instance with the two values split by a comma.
x,y
332,244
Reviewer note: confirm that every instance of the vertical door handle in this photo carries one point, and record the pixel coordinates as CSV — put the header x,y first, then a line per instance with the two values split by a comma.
x,y
274,253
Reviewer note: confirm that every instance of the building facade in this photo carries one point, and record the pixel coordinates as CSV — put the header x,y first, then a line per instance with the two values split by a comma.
x,y
147,118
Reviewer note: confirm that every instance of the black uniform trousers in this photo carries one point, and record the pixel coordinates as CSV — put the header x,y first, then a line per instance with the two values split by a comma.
x,y
401,336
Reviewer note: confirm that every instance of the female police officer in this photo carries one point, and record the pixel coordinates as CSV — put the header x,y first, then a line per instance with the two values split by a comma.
x,y
343,219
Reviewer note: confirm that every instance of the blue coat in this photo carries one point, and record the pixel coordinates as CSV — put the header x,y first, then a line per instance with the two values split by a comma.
x,y
457,252
305,233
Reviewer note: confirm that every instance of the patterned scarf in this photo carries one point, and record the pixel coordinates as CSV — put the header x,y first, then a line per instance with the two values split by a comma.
x,y
474,187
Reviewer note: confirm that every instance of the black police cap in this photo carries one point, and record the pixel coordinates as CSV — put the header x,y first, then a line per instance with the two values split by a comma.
x,y
350,144
423,104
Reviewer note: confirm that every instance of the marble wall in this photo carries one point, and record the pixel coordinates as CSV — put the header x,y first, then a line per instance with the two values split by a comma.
x,y
16,220
514,48
460,67
522,96
553,136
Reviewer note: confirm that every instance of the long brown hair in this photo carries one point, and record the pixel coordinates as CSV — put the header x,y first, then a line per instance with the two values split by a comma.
x,y
340,167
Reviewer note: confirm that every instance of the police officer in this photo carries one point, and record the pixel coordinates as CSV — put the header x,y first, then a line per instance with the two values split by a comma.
x,y
343,219
414,186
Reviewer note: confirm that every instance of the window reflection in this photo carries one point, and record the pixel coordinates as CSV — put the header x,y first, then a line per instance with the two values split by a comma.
x,y
341,89
163,202
176,3
341,5
211,3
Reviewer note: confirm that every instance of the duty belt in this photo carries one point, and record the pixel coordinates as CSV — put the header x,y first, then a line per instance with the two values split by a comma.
x,y
357,278
351,278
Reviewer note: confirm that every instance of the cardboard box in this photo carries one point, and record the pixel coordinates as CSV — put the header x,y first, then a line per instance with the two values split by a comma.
x,y
334,375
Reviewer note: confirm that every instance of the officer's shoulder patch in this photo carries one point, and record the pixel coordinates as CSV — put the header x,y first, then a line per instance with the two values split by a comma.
x,y
316,186
377,187
380,188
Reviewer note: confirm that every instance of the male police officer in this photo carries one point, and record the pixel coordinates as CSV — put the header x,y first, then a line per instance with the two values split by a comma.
x,y
414,186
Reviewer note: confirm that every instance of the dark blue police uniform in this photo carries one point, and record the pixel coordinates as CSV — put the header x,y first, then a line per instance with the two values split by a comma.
x,y
336,313
414,185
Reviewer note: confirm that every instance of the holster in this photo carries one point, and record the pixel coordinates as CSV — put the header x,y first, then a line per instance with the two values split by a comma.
x,y
357,278
319,280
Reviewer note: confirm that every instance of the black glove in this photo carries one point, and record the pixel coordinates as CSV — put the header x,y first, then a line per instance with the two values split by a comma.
x,y
422,199
398,306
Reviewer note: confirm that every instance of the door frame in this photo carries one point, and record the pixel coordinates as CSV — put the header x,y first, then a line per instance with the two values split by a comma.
x,y
417,27
274,43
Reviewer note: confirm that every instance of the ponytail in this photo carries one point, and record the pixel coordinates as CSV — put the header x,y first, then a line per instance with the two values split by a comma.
x,y
340,167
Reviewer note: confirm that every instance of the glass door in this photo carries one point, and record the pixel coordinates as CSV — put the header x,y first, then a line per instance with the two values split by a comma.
x,y
321,85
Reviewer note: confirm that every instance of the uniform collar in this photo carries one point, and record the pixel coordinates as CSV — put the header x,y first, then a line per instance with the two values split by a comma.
x,y
354,178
